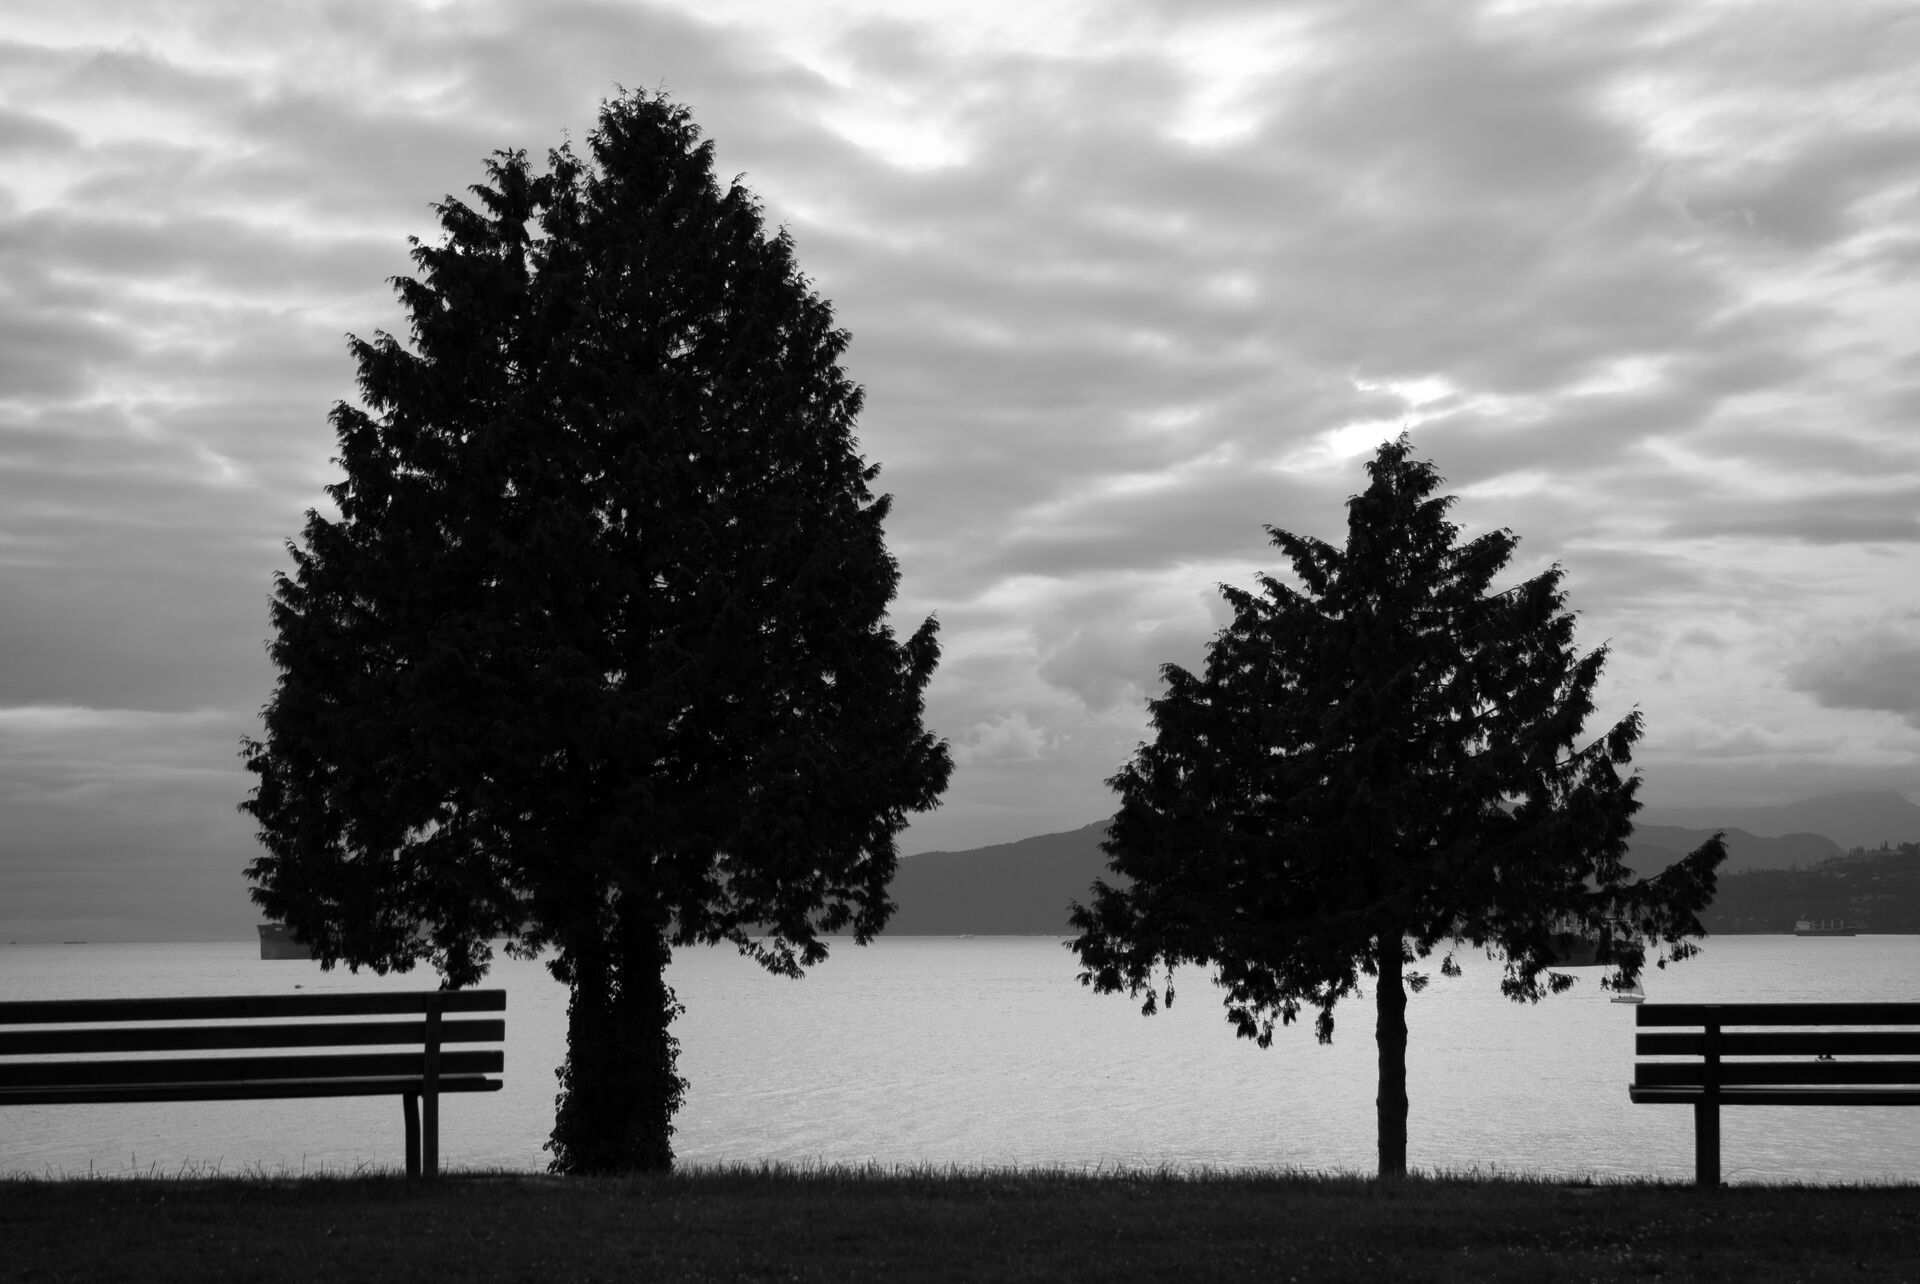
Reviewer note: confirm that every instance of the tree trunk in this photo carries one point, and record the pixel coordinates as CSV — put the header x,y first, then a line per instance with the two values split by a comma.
x,y
619,1088
1391,1035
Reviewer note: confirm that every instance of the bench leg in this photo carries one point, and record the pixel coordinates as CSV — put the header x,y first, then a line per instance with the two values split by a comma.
x,y
1706,1143
430,1134
410,1108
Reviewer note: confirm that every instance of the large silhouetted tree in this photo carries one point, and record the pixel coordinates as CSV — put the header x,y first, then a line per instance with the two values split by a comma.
x,y
1381,761
595,657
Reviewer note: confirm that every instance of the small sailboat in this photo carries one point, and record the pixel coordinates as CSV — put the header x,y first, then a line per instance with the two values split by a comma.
x,y
1635,993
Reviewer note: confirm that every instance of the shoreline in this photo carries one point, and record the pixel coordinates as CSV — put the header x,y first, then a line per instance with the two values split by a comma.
x,y
959,1175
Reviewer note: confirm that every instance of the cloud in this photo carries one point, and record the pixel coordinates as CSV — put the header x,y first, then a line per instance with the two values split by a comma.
x,y
25,132
1609,580
1872,665
1854,517
120,823
1125,283
1107,662
1006,738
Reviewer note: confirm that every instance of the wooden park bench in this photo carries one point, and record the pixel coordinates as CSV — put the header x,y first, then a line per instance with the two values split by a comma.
x,y
85,1051
1773,1054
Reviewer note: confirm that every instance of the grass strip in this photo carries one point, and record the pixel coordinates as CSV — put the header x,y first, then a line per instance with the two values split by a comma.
x,y
928,1224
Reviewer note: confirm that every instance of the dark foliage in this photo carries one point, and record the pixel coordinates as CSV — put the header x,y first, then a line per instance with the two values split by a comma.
x,y
1378,763
595,657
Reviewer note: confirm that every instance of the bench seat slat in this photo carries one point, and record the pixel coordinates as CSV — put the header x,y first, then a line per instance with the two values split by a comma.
x,y
1668,1074
256,1090
1779,1043
1780,1096
50,1074
248,1006
191,1038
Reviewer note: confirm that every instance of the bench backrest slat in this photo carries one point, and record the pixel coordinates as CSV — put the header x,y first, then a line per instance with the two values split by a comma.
x,y
1780,1043
195,1038
377,1065
1729,1014
248,1006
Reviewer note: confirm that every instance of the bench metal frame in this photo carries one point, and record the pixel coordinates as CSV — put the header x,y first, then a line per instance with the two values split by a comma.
x,y
1871,1057
99,1033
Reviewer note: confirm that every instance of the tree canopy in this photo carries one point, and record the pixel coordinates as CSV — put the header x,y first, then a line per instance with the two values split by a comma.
x,y
595,656
1377,763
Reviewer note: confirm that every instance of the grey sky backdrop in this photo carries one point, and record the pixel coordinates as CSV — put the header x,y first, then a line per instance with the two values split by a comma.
x,y
1125,280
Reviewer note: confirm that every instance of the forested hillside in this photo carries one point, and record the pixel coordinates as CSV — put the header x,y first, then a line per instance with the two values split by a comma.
x,y
1013,889
1023,887
1873,891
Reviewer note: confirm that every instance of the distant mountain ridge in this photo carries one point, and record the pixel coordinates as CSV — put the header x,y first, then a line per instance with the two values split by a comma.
x,y
1654,847
1861,818
1010,889
1023,888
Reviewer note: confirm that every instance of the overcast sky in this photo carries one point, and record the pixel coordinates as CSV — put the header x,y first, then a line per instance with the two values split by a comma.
x,y
1125,281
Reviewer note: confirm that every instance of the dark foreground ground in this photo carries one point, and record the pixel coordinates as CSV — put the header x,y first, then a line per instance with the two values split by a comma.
x,y
853,1225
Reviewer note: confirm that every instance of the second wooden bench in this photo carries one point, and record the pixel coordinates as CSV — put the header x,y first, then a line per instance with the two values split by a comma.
x,y
1709,1055
84,1051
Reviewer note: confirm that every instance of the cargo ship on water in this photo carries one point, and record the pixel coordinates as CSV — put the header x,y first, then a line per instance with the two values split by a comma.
x,y
277,942
1823,927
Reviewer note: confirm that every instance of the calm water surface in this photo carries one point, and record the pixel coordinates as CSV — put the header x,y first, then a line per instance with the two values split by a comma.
x,y
987,1052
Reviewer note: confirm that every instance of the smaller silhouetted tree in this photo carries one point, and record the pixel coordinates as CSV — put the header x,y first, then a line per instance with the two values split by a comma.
x,y
1380,762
